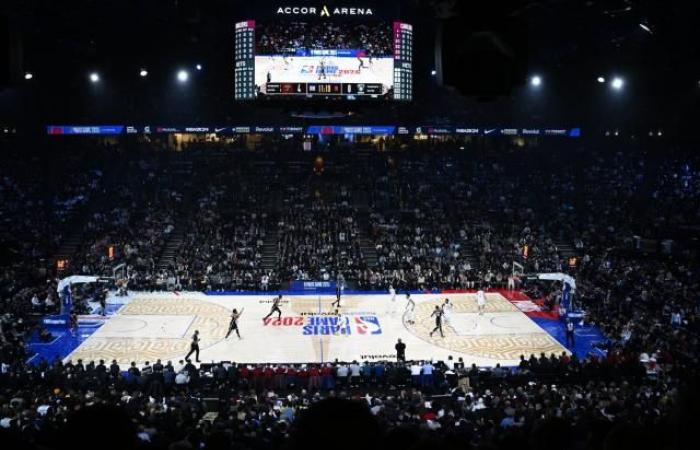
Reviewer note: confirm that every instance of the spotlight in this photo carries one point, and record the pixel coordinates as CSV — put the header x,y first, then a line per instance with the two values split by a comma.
x,y
28,76
617,83
601,80
198,67
536,80
143,73
182,76
94,77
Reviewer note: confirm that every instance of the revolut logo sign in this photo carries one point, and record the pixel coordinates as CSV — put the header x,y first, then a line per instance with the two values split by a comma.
x,y
324,11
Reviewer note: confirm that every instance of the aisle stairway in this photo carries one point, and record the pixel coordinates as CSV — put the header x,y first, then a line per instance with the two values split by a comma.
x,y
270,254
369,251
172,246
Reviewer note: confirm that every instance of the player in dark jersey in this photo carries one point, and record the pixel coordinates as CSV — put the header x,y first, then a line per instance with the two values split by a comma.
x,y
322,70
233,326
194,346
437,313
73,323
275,308
338,292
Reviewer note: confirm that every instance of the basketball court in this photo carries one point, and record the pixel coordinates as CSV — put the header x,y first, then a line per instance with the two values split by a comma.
x,y
149,326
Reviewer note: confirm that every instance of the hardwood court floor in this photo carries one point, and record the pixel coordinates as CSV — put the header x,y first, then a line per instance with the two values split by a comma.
x,y
152,326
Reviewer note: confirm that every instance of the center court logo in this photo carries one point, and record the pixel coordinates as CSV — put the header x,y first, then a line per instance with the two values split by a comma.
x,y
325,325
366,325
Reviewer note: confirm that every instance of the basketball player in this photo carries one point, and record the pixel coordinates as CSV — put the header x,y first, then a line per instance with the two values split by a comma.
x,y
447,311
338,292
322,70
481,301
275,307
338,323
233,326
410,309
194,346
73,323
103,302
437,313
362,63
392,292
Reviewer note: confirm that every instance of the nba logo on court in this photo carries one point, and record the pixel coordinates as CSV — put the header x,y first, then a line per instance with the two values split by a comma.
x,y
368,325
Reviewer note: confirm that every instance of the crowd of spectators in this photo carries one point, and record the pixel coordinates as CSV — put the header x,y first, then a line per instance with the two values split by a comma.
x,y
593,402
318,234
440,220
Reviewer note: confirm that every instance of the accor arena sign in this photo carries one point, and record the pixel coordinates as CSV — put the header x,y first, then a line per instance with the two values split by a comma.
x,y
324,11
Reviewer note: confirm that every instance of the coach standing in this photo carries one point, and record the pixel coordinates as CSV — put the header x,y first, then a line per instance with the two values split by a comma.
x,y
400,351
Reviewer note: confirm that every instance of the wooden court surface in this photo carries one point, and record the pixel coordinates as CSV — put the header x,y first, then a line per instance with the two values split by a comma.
x,y
159,326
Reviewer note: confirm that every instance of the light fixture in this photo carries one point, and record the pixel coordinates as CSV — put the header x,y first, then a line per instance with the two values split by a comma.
x,y
28,76
198,67
536,80
94,77
601,80
143,73
617,83
182,76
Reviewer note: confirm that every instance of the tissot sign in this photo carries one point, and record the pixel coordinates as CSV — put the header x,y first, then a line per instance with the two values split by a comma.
x,y
324,11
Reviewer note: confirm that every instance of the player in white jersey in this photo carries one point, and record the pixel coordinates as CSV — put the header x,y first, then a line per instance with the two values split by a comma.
x,y
481,301
409,312
447,312
392,292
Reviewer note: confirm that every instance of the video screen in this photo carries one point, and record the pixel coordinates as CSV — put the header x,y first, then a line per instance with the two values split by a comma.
x,y
323,60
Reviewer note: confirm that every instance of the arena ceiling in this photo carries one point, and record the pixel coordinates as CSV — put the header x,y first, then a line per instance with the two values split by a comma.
x,y
653,44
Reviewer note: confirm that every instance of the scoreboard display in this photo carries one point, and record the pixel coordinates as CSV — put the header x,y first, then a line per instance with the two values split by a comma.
x,y
245,62
323,59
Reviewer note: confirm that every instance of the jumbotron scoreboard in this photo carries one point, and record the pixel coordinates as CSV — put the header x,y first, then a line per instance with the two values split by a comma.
x,y
318,55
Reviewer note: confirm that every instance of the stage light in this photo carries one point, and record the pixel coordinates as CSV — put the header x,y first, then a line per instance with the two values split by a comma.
x,y
601,80
143,73
94,77
617,83
433,72
536,80
183,76
199,67
28,76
